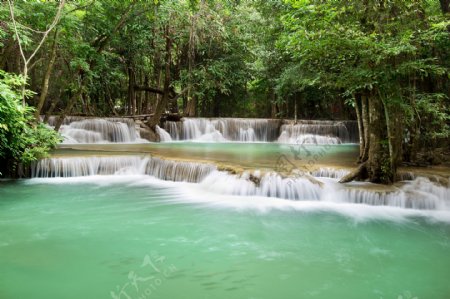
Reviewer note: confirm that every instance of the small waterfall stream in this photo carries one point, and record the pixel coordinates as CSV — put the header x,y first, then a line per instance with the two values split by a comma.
x,y
320,185
98,130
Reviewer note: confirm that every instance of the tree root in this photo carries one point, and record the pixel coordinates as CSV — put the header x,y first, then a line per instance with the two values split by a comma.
x,y
359,174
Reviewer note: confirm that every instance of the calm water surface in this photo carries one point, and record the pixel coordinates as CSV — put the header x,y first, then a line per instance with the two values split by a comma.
x,y
134,237
245,155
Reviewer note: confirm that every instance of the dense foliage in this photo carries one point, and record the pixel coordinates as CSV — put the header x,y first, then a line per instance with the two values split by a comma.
x,y
21,141
254,58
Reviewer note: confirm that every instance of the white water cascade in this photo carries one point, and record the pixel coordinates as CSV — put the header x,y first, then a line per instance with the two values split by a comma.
x,y
261,130
121,165
267,185
318,132
98,130
163,135
320,185
224,129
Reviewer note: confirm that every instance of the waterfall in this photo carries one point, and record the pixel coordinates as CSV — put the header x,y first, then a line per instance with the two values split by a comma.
x,y
224,129
326,172
163,135
123,130
319,185
88,166
318,132
268,185
178,171
419,194
121,165
97,130
263,130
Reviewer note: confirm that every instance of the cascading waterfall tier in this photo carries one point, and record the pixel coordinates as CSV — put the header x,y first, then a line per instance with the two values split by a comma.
x,y
163,135
327,172
121,165
178,171
419,194
267,185
97,130
261,130
318,132
224,129
319,185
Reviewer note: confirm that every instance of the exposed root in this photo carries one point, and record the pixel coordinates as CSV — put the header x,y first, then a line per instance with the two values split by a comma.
x,y
359,174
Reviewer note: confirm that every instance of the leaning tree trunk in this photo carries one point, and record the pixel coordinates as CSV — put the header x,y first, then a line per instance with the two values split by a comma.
x,y
45,82
72,101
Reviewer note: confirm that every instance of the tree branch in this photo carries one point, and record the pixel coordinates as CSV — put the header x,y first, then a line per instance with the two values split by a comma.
x,y
101,41
26,61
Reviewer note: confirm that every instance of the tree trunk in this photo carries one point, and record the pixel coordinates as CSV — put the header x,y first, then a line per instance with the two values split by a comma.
x,y
161,105
274,108
360,127
147,97
131,93
445,6
50,111
68,109
366,126
389,131
191,106
379,166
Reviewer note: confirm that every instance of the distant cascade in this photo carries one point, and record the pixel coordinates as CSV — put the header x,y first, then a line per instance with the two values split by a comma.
x,y
224,129
318,132
263,130
97,130
121,165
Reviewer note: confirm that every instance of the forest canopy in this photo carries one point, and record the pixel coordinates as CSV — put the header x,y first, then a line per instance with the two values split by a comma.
x,y
384,63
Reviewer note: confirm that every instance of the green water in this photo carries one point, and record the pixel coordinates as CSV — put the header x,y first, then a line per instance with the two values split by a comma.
x,y
86,238
246,155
